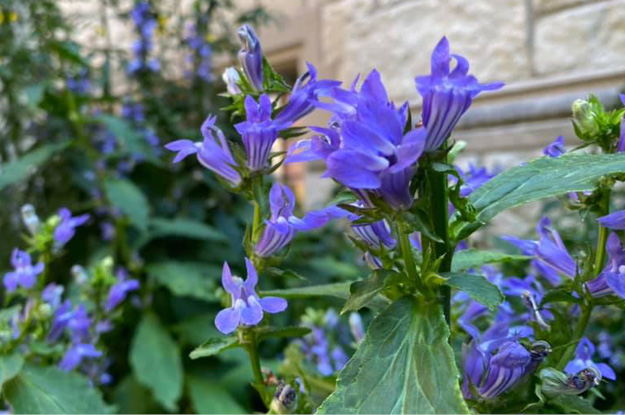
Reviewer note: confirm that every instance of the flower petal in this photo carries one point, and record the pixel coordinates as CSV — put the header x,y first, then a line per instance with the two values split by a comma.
x,y
252,313
273,304
227,320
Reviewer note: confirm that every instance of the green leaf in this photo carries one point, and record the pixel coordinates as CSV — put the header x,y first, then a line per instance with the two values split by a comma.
x,y
129,199
338,290
542,178
156,362
17,170
48,390
572,404
214,346
186,279
472,258
559,295
363,292
404,365
10,366
188,228
477,286
210,397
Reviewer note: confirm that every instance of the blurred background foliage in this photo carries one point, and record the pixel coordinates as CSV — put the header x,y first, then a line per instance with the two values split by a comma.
x,y
83,128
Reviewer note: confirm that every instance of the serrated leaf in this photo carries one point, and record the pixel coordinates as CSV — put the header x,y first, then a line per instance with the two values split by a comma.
x,y
190,279
364,291
473,258
16,171
126,196
404,366
542,178
214,345
210,397
10,366
48,390
477,286
280,332
338,290
156,363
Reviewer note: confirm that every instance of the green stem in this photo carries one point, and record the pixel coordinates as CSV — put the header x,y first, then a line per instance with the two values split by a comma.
x,y
439,205
252,350
406,252
603,233
257,219
577,335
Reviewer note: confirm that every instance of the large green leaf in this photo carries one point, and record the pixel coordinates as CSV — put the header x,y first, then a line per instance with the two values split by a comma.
x,y
10,366
473,258
541,178
214,346
338,290
48,390
187,228
129,199
404,365
17,170
190,279
477,286
156,363
361,293
210,397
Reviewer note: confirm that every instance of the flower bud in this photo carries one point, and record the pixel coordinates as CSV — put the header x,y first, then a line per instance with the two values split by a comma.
x,y
555,383
584,119
79,274
231,78
285,401
30,219
251,56
356,327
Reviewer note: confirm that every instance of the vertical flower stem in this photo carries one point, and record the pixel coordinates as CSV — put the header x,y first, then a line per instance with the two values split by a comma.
x,y
439,205
604,206
584,318
252,350
406,252
257,219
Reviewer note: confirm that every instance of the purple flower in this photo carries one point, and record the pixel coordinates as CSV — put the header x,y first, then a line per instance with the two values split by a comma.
x,y
120,290
258,132
376,234
447,95
583,360
247,308
473,179
76,353
213,153
555,148
283,225
614,220
52,295
251,56
25,274
66,229
620,146
611,280
145,23
75,320
80,83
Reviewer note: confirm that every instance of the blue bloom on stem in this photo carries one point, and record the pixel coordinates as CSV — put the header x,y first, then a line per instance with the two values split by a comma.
x,y
120,290
474,178
283,225
447,95
611,280
251,56
555,148
583,360
614,220
25,274
213,152
75,355
66,229
247,307
52,294
620,146
75,320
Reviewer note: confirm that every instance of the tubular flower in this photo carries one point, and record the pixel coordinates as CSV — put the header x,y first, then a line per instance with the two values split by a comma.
x,y
247,308
75,355
213,152
620,145
614,220
120,289
283,225
612,279
583,360
555,148
66,229
447,95
25,274
251,56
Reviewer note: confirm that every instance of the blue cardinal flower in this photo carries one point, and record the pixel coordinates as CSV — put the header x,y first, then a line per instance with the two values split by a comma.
x,y
212,153
25,273
119,291
614,220
474,178
251,56
283,225
447,94
583,360
247,307
555,148
52,294
74,356
611,280
145,23
76,320
66,229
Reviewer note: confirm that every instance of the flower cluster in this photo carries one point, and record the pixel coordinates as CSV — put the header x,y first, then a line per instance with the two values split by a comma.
x,y
145,24
200,57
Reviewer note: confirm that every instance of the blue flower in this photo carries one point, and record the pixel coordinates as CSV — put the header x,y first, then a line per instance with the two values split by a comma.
x,y
120,290
75,355
611,280
247,308
75,320
620,146
473,178
145,23
52,294
447,95
80,83
66,229
25,274
251,56
614,220
583,360
555,148
283,225
213,152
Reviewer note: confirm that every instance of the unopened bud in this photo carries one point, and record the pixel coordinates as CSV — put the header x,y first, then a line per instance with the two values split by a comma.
x,y
356,327
30,219
285,401
231,78
79,274
584,119
555,383
251,56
